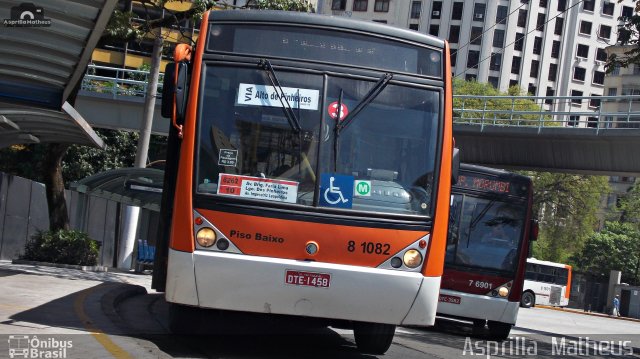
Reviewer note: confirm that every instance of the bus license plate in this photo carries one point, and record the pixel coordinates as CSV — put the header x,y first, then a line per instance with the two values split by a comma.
x,y
449,299
308,279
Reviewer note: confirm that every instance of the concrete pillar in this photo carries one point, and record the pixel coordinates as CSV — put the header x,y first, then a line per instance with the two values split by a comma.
x,y
614,279
127,239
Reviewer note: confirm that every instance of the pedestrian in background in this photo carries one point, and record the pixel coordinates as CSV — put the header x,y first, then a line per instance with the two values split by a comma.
x,y
616,306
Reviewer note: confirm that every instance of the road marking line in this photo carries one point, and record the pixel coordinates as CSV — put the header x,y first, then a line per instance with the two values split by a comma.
x,y
99,335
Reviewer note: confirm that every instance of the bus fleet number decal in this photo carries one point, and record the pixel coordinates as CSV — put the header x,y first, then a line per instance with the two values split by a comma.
x,y
369,247
480,284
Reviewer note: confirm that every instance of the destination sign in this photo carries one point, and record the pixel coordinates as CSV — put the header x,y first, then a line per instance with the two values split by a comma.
x,y
483,184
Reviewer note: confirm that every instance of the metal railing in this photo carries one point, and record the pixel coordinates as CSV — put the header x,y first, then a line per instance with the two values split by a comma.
x,y
522,111
118,81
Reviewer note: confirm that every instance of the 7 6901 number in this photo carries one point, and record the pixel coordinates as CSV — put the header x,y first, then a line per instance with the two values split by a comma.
x,y
369,247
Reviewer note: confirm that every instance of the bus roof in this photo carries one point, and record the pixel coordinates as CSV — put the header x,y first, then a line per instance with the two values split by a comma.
x,y
551,264
309,19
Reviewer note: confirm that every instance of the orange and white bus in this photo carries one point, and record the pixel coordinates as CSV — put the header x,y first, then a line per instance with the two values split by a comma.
x,y
490,228
313,174
546,283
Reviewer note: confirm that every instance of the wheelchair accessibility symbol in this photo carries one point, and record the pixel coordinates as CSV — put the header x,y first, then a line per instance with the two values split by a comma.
x,y
336,190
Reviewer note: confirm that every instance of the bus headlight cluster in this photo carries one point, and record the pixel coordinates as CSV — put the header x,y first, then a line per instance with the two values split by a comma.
x,y
206,237
412,258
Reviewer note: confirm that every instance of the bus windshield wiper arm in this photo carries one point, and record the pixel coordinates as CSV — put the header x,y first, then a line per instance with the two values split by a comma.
x,y
366,100
286,107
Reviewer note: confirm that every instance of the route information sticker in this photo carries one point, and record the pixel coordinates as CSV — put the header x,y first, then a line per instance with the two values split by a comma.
x,y
258,188
262,95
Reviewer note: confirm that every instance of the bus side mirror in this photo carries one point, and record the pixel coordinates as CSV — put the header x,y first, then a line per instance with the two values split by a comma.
x,y
455,165
175,86
535,229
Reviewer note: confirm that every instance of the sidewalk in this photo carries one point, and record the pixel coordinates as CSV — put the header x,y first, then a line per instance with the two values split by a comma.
x,y
580,311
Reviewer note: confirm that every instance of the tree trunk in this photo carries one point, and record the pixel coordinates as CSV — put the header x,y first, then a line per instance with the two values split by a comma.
x,y
149,104
52,166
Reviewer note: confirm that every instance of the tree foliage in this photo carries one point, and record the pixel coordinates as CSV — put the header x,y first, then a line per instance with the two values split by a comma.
x,y
628,34
566,206
630,206
616,247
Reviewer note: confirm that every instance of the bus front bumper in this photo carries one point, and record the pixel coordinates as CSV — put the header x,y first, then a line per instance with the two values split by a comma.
x,y
258,284
474,306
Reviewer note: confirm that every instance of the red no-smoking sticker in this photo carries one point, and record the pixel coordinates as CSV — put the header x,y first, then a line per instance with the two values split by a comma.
x,y
333,110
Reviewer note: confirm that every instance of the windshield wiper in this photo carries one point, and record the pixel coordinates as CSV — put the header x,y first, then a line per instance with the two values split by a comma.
x,y
366,100
286,107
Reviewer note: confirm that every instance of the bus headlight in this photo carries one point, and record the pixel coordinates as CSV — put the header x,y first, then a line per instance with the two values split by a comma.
x,y
206,237
503,292
412,258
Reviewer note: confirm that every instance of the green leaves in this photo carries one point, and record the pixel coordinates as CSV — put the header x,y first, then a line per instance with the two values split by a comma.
x,y
67,247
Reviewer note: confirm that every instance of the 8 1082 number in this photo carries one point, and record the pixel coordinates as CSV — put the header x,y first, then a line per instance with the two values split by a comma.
x,y
370,247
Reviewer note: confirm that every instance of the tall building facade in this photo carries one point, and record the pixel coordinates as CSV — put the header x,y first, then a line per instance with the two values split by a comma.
x,y
547,48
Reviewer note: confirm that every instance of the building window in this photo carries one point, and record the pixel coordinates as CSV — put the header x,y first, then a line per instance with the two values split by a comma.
x,y
613,91
608,7
550,92
501,14
436,10
494,81
515,65
472,59
471,77
535,67
383,5
594,102
519,44
598,77
588,5
476,35
583,51
454,34
361,5
413,27
532,89
541,21
553,72
576,101
636,69
434,30
605,32
601,55
416,8
555,49
537,45
585,27
522,18
454,57
543,3
478,11
339,5
380,21
496,61
558,27
456,13
573,121
615,71
513,83
562,5
627,11
579,73
592,122
498,38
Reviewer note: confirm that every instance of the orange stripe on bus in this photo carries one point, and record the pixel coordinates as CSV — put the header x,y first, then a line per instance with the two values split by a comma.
x,y
568,291
437,245
286,238
182,227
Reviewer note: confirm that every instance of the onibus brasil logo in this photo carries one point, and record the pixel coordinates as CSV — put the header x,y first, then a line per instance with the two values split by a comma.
x,y
24,346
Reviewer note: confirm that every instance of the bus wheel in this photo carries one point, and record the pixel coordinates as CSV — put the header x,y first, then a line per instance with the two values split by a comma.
x,y
373,338
499,330
527,300
182,319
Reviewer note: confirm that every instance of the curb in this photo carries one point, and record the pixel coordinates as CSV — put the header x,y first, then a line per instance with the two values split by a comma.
x,y
112,299
601,315
60,265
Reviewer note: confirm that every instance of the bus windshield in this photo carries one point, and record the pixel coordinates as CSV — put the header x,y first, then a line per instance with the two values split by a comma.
x,y
382,162
485,233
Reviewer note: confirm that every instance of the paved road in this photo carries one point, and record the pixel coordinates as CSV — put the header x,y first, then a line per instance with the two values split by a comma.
x,y
71,304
